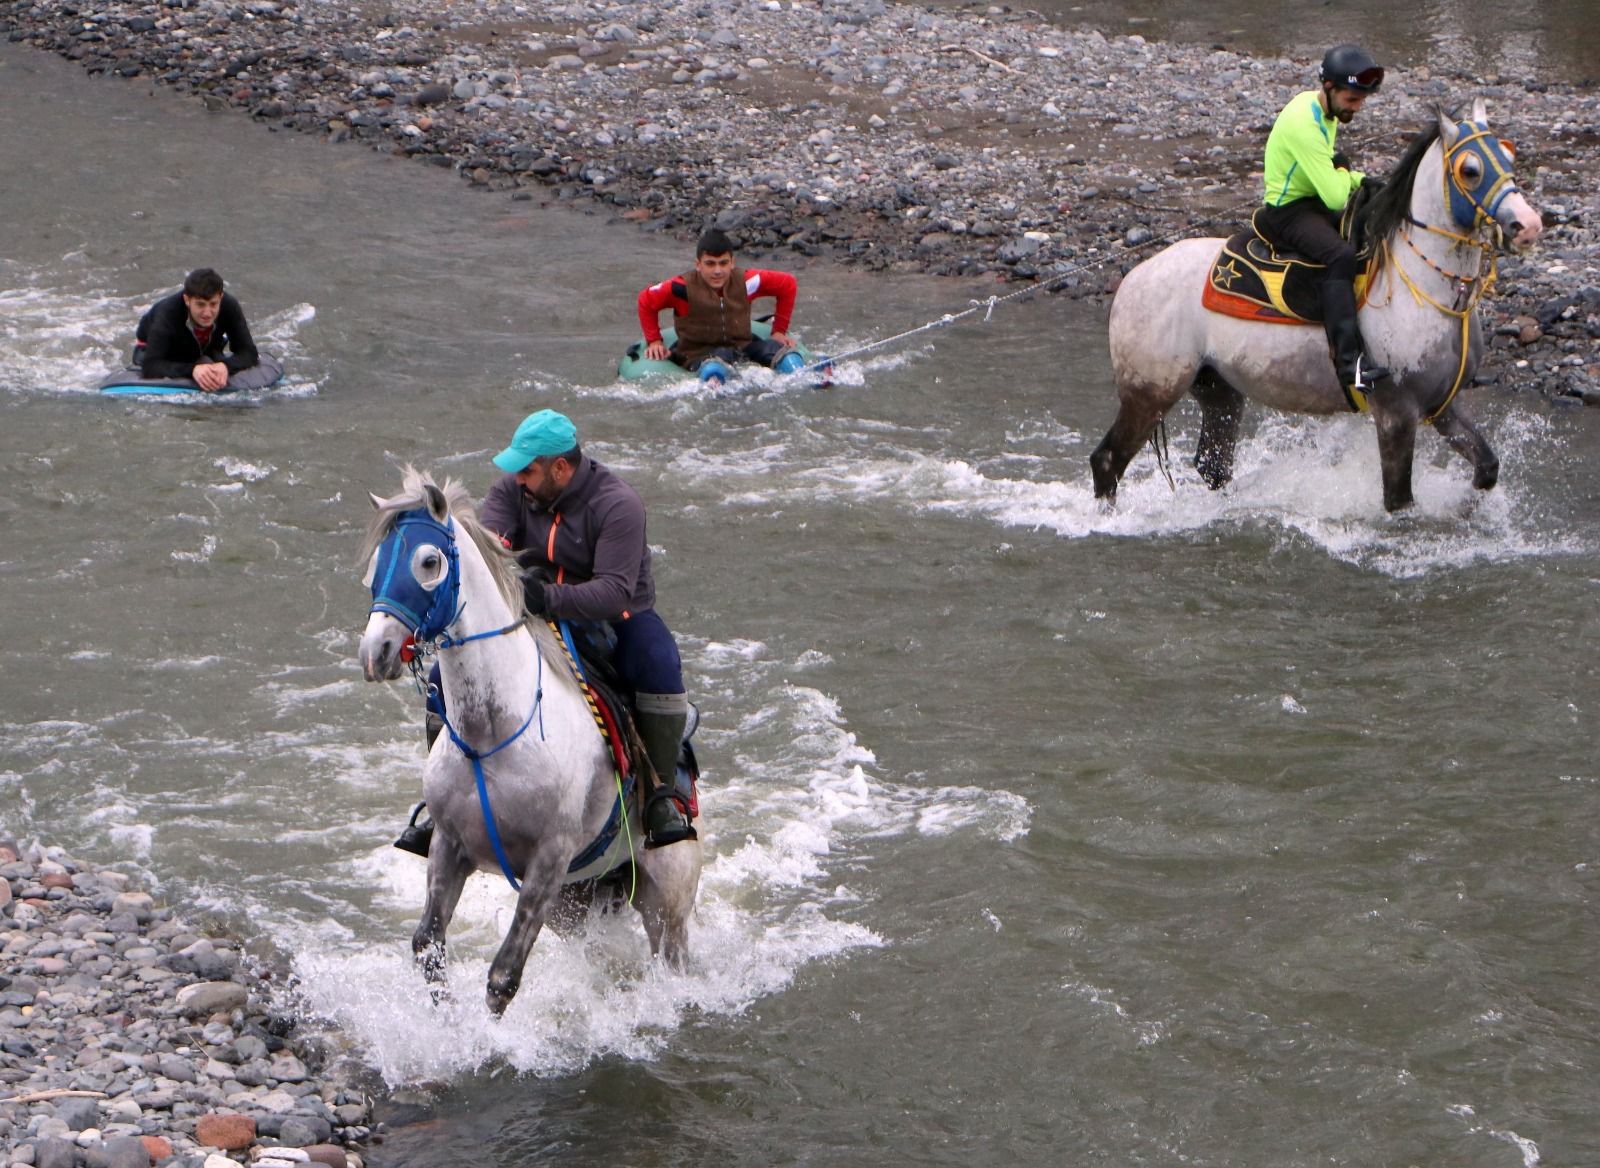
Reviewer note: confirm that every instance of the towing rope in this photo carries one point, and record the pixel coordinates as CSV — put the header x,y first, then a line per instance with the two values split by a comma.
x,y
989,304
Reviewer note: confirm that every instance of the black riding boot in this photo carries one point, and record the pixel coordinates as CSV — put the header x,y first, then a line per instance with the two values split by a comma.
x,y
418,837
1350,361
661,719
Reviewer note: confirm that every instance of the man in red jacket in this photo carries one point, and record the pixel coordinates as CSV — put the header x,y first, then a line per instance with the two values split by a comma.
x,y
711,313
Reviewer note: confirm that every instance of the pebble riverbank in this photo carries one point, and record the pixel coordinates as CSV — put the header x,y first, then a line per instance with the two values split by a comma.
x,y
976,142
129,1039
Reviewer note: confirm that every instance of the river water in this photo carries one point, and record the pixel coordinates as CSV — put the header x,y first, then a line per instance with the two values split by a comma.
x,y
1251,828
1552,39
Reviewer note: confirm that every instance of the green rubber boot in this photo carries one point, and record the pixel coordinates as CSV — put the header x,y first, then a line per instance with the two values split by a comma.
x,y
661,719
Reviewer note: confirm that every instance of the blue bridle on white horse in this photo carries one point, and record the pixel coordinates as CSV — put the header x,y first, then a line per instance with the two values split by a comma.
x,y
416,578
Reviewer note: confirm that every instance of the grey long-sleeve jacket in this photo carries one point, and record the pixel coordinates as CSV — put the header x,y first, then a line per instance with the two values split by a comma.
x,y
592,540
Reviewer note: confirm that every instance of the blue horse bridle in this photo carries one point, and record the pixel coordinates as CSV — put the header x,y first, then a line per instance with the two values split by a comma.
x,y
428,611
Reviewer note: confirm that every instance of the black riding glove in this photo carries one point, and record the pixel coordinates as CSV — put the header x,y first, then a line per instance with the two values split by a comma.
x,y
533,593
1340,162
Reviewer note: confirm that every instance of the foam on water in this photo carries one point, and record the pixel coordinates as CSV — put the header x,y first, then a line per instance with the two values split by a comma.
x,y
1312,480
752,382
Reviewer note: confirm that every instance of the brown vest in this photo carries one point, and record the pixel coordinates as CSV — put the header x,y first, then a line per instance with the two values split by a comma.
x,y
713,321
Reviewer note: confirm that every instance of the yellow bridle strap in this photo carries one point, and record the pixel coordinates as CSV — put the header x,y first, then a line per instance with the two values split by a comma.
x,y
1464,314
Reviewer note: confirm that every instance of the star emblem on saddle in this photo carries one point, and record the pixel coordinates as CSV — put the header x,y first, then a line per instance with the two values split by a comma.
x,y
1226,274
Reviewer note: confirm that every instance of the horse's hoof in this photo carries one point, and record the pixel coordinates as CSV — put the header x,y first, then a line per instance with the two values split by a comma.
x,y
499,995
439,994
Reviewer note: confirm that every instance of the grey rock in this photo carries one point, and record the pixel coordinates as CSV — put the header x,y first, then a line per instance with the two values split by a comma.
x,y
301,1131
119,1152
177,1068
139,904
1017,249
78,1114
211,997
55,1153
286,1068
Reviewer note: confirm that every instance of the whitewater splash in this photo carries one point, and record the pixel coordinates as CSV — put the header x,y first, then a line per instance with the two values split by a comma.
x,y
777,818
1311,480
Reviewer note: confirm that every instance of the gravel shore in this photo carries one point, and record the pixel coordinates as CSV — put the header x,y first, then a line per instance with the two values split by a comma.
x,y
129,1039
968,142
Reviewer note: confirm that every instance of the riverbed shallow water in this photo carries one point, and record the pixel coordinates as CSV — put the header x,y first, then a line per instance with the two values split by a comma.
x,y
1552,33
1239,828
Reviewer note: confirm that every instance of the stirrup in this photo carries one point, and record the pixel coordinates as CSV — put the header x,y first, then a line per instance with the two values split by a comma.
x,y
669,826
1366,379
417,836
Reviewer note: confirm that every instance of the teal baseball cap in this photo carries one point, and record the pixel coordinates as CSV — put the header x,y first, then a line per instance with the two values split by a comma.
x,y
540,436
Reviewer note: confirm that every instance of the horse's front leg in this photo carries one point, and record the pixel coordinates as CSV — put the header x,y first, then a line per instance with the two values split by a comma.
x,y
541,886
448,869
1397,444
1457,428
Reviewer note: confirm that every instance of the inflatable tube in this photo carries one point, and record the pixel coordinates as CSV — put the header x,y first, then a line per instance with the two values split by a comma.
x,y
128,382
635,365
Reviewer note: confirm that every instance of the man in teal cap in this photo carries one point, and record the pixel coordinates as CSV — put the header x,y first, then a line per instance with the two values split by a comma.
x,y
581,531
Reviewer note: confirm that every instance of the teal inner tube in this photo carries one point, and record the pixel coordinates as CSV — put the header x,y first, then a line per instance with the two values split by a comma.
x,y
635,366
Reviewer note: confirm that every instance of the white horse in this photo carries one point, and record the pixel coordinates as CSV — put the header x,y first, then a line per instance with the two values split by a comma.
x,y
1452,188
542,787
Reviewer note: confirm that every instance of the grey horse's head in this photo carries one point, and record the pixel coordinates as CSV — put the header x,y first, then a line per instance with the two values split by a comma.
x,y
1479,182
412,542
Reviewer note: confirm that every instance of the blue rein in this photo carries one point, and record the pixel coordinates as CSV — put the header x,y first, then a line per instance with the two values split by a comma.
x,y
477,756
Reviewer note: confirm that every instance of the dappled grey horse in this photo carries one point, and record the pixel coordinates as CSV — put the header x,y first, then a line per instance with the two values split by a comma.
x,y
1449,202
523,782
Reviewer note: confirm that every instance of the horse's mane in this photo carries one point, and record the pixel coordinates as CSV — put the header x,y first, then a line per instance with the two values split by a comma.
x,y
1390,208
502,564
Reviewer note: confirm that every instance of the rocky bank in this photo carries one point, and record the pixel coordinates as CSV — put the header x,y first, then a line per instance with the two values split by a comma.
x,y
130,1039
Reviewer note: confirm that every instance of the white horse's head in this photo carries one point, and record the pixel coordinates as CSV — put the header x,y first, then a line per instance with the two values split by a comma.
x,y
1478,184
421,574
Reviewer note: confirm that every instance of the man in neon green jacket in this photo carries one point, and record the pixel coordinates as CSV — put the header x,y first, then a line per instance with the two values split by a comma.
x,y
1308,183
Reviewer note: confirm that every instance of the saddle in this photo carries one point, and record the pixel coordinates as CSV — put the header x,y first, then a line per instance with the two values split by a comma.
x,y
1253,280
593,644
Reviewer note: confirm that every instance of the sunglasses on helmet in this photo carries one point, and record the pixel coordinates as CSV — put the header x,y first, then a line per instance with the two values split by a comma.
x,y
1367,79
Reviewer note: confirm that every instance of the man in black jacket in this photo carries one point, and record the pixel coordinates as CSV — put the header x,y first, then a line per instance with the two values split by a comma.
x,y
187,333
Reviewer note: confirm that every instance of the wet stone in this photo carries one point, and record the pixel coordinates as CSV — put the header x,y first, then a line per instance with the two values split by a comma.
x,y
211,997
78,1114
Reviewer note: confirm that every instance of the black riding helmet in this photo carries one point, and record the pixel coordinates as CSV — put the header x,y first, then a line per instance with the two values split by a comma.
x,y
1351,67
